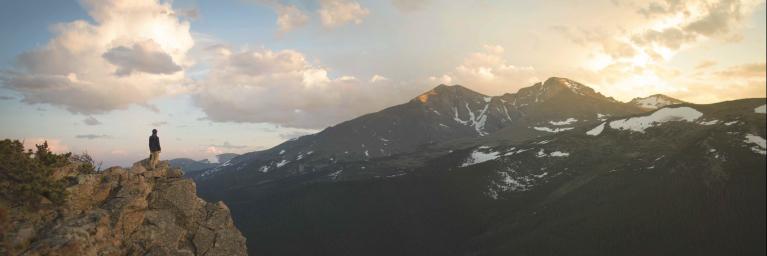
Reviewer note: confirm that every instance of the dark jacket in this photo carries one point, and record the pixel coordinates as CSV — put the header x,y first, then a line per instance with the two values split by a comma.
x,y
154,143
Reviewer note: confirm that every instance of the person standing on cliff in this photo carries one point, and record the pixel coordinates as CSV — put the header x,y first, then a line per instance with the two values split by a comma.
x,y
154,149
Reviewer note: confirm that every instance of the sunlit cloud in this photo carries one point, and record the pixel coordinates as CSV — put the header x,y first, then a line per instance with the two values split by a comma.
x,y
334,13
132,52
283,88
488,72
290,17
638,58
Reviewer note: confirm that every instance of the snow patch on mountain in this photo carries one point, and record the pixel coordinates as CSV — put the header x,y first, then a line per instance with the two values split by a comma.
x,y
639,124
542,154
565,122
478,156
760,145
597,130
513,152
511,181
709,122
334,175
761,109
555,130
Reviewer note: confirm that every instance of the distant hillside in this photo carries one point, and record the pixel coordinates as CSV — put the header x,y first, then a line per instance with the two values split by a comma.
x,y
191,166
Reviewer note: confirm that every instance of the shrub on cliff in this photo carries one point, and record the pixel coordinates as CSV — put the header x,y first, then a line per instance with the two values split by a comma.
x,y
26,176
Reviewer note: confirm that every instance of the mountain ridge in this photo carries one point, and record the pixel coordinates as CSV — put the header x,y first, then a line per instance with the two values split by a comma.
x,y
444,113
593,186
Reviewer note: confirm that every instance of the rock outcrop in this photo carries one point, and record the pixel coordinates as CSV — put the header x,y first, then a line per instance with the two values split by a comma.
x,y
128,212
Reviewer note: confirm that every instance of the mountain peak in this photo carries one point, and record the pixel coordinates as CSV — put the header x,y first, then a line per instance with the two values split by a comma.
x,y
565,82
655,101
443,90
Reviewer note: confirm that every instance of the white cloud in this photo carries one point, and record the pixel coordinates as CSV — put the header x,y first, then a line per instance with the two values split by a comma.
x,y
290,17
142,41
283,88
334,13
638,57
488,72
378,78
213,150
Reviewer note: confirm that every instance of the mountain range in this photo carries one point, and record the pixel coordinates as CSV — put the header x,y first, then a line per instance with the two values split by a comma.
x,y
555,168
191,166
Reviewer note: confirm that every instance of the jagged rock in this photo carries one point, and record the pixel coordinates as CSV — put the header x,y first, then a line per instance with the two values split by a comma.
x,y
136,211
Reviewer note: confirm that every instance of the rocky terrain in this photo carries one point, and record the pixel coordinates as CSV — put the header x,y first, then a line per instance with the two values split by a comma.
x,y
125,212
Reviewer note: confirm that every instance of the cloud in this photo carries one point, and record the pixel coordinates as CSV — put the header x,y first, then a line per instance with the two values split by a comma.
x,y
488,72
76,68
637,56
410,5
91,121
334,13
4,97
283,88
728,83
378,78
668,27
158,124
227,145
745,71
54,145
212,150
92,136
146,56
191,13
705,64
290,17
679,23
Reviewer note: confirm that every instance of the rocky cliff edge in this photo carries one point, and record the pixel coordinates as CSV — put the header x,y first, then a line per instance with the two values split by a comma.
x,y
127,212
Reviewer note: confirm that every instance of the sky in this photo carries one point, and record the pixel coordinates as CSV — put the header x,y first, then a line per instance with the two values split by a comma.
x,y
236,76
